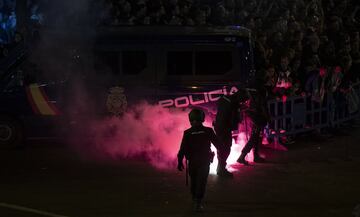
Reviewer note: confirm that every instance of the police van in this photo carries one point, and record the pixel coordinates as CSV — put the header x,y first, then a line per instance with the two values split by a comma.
x,y
174,67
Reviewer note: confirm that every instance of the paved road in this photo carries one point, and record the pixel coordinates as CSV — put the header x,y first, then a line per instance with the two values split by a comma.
x,y
314,178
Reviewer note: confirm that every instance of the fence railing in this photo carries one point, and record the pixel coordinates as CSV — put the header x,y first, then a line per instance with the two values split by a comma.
x,y
298,114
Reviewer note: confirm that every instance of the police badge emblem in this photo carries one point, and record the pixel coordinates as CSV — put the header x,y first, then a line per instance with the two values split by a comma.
x,y
116,102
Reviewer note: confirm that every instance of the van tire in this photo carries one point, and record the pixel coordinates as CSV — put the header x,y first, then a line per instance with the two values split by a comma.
x,y
11,132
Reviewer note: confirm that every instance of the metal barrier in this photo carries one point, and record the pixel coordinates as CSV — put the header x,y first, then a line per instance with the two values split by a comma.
x,y
298,114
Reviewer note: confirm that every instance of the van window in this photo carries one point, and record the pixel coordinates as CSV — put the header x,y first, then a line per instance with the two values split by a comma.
x,y
179,63
133,62
213,62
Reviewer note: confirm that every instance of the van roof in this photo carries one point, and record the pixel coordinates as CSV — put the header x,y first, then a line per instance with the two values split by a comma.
x,y
174,30
133,34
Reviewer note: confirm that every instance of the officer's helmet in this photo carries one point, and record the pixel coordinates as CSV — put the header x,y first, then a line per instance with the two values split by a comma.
x,y
241,95
196,115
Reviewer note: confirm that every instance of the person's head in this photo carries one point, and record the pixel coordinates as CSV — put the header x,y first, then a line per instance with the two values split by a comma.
x,y
313,41
329,49
346,62
356,57
251,5
173,3
141,9
296,64
207,10
311,63
185,9
241,95
196,117
284,61
281,25
344,42
250,22
298,35
200,17
340,7
127,8
286,14
290,53
221,10
276,39
293,7
293,26
313,20
229,4
270,71
262,37
258,22
355,41
354,35
323,40
334,24
297,46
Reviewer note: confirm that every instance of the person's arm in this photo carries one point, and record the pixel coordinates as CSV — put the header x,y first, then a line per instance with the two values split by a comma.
x,y
267,13
236,117
182,152
258,8
308,7
353,14
214,139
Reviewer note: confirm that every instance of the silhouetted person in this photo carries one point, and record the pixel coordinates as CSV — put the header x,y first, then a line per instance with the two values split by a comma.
x,y
195,146
228,117
258,113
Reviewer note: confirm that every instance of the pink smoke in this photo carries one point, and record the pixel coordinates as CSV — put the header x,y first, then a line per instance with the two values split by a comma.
x,y
154,133
146,130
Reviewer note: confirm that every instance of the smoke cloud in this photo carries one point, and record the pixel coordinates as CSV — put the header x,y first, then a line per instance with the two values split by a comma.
x,y
153,134
147,131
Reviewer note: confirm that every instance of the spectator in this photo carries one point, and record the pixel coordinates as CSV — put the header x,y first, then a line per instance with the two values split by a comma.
x,y
354,42
284,79
355,67
261,52
311,77
270,80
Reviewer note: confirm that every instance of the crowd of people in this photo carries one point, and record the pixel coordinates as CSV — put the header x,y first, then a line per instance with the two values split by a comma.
x,y
308,47
301,46
9,36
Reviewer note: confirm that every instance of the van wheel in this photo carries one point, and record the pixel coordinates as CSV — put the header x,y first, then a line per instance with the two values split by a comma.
x,y
11,132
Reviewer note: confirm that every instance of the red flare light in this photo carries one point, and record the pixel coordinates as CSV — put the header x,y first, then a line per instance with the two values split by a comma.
x,y
337,69
322,72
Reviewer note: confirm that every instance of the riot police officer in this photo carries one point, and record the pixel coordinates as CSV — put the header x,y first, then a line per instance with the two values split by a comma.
x,y
195,146
228,117
258,113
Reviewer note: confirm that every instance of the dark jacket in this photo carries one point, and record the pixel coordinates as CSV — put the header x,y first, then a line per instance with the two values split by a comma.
x,y
196,143
258,111
228,115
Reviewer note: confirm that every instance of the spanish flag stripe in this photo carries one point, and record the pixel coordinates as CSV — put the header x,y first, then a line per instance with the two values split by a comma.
x,y
31,101
50,104
40,101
